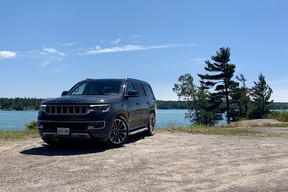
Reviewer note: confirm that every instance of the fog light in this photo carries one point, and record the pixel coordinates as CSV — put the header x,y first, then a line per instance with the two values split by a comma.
x,y
96,125
91,127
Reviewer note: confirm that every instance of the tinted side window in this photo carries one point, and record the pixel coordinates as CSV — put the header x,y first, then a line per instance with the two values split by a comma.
x,y
148,91
129,87
140,89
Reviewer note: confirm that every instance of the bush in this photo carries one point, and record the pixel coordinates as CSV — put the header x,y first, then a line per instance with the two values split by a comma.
x,y
280,116
32,125
283,116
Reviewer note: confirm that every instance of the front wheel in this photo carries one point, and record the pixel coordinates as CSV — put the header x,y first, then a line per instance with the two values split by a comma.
x,y
119,132
151,124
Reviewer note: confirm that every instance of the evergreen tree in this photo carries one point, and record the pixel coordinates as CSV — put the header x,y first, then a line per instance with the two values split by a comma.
x,y
207,107
261,93
244,94
221,73
240,100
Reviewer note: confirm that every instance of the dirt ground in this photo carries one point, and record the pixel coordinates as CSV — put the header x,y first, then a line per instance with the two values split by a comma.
x,y
164,162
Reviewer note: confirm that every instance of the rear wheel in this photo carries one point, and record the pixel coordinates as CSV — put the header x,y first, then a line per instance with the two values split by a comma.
x,y
151,124
119,132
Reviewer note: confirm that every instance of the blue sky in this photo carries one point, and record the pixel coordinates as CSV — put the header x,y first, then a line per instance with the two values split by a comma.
x,y
47,46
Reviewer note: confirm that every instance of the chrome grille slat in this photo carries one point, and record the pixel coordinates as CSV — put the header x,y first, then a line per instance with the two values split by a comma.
x,y
66,109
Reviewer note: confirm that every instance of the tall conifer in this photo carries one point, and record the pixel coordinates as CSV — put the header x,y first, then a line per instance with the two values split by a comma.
x,y
219,77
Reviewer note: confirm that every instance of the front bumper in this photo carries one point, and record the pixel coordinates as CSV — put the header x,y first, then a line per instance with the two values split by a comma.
x,y
94,125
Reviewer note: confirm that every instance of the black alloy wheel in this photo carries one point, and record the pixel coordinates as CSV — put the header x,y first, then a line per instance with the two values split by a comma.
x,y
151,124
119,132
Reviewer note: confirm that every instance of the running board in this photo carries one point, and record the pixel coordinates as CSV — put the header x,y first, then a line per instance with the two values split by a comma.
x,y
136,131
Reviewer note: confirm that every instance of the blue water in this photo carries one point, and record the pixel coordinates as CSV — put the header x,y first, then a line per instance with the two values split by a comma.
x,y
170,117
16,120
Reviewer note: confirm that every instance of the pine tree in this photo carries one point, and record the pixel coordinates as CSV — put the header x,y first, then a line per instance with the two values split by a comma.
x,y
244,94
220,77
261,93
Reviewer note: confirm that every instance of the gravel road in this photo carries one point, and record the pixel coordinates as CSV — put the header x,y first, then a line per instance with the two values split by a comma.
x,y
165,162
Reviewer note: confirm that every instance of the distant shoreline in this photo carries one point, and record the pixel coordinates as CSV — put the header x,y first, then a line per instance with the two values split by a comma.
x,y
19,110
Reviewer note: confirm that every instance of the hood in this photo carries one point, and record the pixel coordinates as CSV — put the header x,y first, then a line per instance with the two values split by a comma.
x,y
81,99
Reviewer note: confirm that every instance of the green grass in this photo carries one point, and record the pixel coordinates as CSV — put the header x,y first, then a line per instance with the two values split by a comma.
x,y
284,125
30,132
222,130
279,115
14,135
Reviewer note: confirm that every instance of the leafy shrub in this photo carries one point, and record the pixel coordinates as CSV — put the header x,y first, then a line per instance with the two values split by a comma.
x,y
273,114
32,125
279,115
283,116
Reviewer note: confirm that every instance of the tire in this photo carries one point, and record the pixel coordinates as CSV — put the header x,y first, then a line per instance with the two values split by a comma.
x,y
119,132
151,124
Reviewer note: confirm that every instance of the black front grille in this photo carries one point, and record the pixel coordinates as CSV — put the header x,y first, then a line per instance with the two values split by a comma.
x,y
66,109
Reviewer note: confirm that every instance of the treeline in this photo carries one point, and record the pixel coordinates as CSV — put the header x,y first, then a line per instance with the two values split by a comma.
x,y
34,103
185,105
20,103
279,106
172,104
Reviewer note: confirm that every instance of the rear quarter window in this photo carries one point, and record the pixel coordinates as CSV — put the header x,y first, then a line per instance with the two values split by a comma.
x,y
140,89
148,91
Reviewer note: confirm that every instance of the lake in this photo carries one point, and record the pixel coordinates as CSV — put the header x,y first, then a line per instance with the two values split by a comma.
x,y
16,120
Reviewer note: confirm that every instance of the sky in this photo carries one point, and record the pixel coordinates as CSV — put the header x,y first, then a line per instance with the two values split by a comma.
x,y
47,46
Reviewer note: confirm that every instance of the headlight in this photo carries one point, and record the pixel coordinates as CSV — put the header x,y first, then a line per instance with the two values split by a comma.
x,y
42,107
99,107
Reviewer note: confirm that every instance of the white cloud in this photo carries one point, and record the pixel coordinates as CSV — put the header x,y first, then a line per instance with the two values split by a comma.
x,y
135,38
116,42
50,50
200,60
70,44
53,51
7,54
45,63
126,48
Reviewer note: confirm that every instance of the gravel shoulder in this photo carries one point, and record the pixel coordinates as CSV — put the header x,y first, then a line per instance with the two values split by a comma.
x,y
164,162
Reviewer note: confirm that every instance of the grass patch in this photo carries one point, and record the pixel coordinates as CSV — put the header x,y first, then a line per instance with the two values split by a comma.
x,y
222,130
284,125
23,134
31,131
229,130
279,115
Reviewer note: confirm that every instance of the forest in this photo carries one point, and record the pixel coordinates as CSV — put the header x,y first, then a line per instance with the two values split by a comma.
x,y
34,104
20,103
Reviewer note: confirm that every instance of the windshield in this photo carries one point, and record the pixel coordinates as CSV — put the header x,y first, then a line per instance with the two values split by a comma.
x,y
97,87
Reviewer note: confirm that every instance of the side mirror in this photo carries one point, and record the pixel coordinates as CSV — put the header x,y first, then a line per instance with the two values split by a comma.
x,y
64,93
132,93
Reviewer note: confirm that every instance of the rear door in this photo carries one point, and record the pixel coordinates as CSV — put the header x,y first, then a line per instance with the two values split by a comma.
x,y
143,103
134,107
